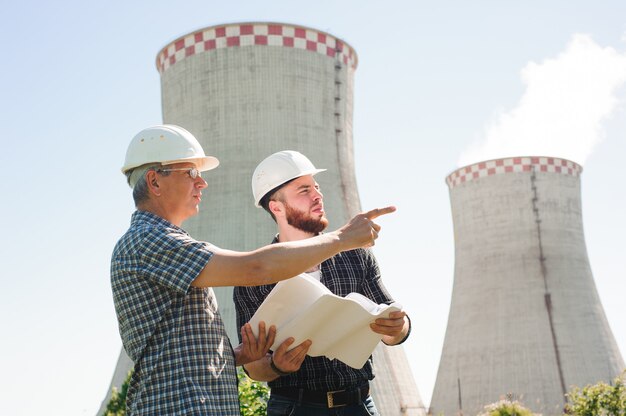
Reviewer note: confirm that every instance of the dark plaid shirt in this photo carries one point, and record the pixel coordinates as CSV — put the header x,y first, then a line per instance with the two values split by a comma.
x,y
350,271
184,363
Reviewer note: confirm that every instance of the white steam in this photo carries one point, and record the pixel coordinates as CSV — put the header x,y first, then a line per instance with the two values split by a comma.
x,y
561,112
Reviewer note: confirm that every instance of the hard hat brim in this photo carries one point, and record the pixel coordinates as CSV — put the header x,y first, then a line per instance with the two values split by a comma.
x,y
312,172
202,163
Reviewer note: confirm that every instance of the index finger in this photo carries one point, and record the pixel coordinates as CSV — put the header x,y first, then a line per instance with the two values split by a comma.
x,y
377,212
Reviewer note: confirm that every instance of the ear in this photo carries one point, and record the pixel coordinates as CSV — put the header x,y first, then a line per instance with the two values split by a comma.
x,y
277,208
152,180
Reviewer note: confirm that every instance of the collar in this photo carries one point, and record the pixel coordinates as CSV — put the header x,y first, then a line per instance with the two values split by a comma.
x,y
140,216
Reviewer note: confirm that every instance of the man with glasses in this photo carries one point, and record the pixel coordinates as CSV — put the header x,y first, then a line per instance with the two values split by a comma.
x,y
162,281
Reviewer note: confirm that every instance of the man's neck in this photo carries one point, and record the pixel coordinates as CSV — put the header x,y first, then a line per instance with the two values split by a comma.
x,y
158,210
289,233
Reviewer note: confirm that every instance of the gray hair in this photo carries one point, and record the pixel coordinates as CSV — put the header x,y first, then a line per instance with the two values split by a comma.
x,y
136,179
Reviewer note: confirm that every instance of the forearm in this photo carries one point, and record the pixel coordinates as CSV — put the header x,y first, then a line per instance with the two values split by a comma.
x,y
284,260
269,264
277,262
261,370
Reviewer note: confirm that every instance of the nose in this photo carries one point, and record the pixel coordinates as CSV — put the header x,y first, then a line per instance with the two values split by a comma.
x,y
201,183
318,195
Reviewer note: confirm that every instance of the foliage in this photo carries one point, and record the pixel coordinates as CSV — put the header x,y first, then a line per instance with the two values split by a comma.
x,y
117,403
600,399
253,395
506,408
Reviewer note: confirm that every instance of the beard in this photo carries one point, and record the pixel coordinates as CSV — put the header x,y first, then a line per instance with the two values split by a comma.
x,y
302,221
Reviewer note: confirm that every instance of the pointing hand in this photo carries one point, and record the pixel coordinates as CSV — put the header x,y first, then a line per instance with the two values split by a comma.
x,y
361,231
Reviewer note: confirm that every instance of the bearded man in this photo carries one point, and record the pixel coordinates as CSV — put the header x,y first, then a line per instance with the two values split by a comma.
x,y
284,185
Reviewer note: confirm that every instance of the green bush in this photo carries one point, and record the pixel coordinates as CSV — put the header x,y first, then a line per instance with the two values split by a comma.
x,y
253,395
599,399
506,408
117,403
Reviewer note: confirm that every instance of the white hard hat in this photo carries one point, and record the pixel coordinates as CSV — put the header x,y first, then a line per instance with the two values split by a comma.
x,y
277,169
166,144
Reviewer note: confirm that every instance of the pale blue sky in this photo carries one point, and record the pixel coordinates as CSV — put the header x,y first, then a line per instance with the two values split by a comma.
x,y
79,80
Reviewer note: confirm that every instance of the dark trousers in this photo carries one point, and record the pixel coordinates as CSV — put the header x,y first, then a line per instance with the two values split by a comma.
x,y
284,406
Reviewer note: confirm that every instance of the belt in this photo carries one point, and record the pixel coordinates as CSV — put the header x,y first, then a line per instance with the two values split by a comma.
x,y
330,399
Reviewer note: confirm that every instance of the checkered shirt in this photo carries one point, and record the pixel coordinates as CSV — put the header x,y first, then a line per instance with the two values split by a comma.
x,y
347,272
184,363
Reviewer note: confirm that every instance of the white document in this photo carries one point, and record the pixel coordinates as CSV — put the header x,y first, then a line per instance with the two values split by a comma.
x,y
303,308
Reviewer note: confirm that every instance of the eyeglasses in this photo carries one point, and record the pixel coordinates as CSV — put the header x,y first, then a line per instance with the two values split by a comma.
x,y
193,172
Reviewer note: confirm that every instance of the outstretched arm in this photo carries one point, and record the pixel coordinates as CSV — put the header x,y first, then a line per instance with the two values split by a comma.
x,y
281,261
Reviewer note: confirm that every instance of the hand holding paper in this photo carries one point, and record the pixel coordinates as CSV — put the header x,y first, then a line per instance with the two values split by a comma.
x,y
303,308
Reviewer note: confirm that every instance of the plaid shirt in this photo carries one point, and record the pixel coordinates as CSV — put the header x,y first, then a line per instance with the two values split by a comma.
x,y
184,363
349,271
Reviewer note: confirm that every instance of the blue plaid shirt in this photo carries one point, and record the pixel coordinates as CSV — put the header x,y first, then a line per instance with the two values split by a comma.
x,y
184,363
347,272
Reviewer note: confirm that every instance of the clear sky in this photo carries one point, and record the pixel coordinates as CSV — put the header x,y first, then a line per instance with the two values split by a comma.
x,y
438,83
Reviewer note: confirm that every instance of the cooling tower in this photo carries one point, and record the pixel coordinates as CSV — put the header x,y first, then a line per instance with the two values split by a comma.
x,y
525,319
247,91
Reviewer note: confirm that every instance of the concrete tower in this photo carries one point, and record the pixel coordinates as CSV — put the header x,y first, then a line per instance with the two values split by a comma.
x,y
249,90
525,318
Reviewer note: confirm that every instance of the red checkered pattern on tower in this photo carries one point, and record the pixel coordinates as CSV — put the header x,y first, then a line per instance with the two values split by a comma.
x,y
255,34
513,165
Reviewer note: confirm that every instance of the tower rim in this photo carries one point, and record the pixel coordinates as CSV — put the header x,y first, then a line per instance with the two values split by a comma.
x,y
255,33
513,164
